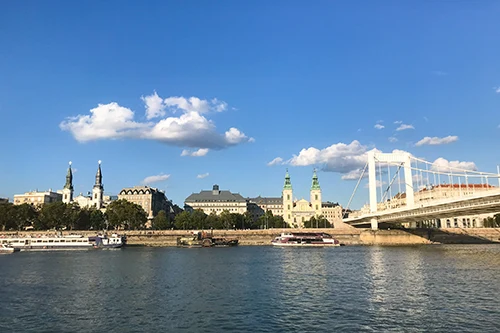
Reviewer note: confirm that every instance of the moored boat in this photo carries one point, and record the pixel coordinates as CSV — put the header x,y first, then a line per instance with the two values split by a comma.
x,y
59,242
202,239
7,248
305,239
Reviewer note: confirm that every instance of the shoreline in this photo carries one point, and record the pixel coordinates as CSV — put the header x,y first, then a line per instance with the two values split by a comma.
x,y
346,236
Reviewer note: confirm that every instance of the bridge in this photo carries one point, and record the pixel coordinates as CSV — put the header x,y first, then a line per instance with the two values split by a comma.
x,y
426,197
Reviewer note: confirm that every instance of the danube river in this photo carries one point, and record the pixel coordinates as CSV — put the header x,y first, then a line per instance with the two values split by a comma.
x,y
436,288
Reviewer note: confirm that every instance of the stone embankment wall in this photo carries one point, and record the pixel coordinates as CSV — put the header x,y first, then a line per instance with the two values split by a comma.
x,y
350,236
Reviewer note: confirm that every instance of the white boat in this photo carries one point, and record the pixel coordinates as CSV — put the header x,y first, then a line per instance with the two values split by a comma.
x,y
69,242
305,239
6,248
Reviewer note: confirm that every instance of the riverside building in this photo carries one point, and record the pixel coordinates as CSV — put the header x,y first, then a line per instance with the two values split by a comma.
x,y
150,199
216,201
37,198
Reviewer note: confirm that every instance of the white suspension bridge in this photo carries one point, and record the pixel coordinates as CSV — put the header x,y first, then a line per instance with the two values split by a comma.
x,y
432,191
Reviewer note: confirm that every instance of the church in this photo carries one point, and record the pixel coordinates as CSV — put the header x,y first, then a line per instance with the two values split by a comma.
x,y
94,201
295,213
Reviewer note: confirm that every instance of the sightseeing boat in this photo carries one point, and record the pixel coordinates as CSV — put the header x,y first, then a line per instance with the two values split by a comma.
x,y
59,242
305,239
7,248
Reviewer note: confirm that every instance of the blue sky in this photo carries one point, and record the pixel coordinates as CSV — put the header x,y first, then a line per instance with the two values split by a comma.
x,y
142,86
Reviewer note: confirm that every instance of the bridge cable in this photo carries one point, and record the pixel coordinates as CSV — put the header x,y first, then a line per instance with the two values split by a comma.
x,y
357,184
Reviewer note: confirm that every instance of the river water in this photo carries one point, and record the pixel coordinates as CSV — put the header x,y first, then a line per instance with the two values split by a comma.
x,y
434,288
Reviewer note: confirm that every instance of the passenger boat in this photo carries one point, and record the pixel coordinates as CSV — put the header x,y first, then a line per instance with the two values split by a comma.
x,y
305,239
6,248
59,242
202,239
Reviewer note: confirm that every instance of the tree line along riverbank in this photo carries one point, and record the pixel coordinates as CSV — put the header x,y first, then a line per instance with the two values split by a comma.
x,y
345,236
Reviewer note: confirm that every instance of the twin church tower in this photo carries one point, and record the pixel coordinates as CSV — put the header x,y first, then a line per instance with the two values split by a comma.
x,y
97,198
295,213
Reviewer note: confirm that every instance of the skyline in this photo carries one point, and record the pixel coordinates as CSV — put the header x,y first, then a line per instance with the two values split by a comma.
x,y
184,96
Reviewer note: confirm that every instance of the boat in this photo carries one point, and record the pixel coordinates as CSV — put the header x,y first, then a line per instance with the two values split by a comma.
x,y
7,248
60,242
305,239
202,239
108,242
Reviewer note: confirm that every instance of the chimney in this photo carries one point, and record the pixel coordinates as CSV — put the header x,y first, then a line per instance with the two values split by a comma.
x,y
215,190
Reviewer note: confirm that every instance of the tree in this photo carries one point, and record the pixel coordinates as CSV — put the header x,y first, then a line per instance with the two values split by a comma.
x,y
213,221
161,221
198,218
97,220
183,221
53,216
125,214
7,221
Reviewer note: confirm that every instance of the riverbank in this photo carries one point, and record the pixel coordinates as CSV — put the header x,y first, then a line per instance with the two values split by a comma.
x,y
351,236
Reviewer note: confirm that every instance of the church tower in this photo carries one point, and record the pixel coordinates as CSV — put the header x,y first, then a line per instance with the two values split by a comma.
x,y
98,190
287,200
316,195
67,191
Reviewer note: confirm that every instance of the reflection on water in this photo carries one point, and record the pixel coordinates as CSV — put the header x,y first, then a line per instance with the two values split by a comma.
x,y
253,289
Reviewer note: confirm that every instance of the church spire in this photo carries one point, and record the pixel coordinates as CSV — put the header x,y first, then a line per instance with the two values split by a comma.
x,y
288,183
69,178
315,182
98,177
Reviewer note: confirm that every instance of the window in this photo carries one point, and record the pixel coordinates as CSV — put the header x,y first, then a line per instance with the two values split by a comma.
x,y
316,207
288,207
288,198
316,198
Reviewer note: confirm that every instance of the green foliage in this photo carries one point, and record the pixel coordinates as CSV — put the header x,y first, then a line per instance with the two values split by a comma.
x,y
318,222
97,220
125,214
183,221
268,220
17,217
161,221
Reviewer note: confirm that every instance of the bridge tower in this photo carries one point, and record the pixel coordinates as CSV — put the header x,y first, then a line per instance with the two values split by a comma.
x,y
402,158
287,200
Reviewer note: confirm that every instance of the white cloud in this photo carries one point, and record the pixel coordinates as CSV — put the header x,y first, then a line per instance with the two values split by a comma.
x,y
154,106
393,139
354,174
403,127
379,126
106,121
444,165
155,179
190,129
342,158
203,175
497,89
195,153
234,136
397,122
194,104
276,161
437,141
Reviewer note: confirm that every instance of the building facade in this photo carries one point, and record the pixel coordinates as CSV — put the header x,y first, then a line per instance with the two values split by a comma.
x,y
36,198
95,200
216,201
150,199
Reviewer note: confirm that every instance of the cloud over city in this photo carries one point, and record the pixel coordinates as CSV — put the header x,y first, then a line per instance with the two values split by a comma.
x,y
203,175
403,127
443,165
155,179
276,161
195,153
434,141
187,126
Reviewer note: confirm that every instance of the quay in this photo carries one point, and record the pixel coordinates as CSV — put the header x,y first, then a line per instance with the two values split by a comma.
x,y
348,236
